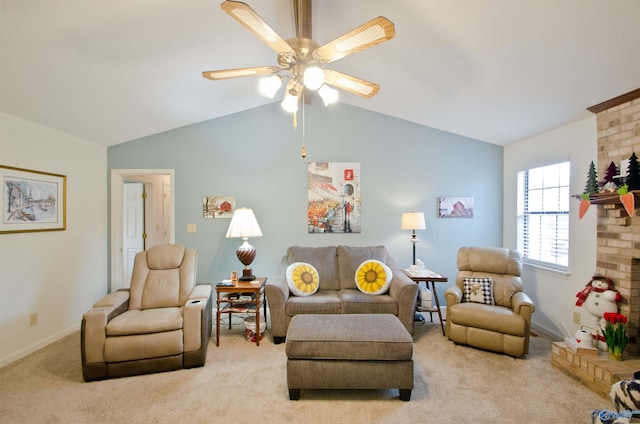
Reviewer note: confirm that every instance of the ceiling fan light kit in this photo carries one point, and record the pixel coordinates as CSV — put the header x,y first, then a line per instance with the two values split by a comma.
x,y
269,86
313,78
301,61
290,103
328,95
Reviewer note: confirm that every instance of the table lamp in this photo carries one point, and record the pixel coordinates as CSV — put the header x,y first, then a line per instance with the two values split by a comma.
x,y
413,221
244,224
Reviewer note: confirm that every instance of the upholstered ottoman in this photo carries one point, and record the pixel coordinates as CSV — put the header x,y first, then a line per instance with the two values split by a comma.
x,y
344,351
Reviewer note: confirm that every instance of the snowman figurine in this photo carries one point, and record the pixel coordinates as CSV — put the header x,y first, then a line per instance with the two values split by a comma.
x,y
598,298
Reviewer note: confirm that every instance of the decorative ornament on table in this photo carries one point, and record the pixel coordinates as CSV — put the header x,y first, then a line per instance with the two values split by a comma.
x,y
417,268
598,298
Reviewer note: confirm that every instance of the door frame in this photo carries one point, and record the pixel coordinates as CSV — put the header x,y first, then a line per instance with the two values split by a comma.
x,y
118,177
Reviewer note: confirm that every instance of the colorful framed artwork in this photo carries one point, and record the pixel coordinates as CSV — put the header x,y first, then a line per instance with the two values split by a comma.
x,y
218,207
333,197
455,207
32,201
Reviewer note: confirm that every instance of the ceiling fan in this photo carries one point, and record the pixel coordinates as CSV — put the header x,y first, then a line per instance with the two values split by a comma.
x,y
301,61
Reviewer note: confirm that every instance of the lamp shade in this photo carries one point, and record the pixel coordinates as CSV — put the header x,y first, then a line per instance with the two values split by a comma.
x,y
243,224
413,221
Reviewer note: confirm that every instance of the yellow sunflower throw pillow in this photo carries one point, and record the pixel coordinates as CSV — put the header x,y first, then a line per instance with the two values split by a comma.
x,y
302,279
373,277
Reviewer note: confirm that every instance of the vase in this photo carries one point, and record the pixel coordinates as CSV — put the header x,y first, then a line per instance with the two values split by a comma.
x,y
615,353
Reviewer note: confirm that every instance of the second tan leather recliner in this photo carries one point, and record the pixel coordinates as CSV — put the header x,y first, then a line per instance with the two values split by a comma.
x,y
502,327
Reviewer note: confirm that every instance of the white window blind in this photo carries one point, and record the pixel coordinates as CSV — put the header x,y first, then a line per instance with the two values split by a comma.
x,y
543,215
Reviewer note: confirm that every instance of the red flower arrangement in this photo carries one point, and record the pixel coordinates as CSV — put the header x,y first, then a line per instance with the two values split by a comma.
x,y
615,334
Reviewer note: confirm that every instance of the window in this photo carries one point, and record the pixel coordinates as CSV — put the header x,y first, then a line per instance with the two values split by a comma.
x,y
543,215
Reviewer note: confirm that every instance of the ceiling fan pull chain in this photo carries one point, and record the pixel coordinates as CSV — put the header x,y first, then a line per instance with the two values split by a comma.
x,y
304,149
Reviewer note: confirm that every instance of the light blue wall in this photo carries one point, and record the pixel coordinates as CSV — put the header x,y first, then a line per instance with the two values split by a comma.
x,y
254,156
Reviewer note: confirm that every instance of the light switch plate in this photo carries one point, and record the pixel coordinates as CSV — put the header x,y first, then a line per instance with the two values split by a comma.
x,y
191,228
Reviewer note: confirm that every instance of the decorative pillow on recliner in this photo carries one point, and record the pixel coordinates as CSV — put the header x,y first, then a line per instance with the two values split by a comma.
x,y
373,277
302,279
478,290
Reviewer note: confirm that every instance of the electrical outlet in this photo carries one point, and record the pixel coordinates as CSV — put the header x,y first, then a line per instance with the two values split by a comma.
x,y
577,318
33,320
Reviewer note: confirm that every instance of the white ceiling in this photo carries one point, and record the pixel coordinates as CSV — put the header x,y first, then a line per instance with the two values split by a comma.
x,y
110,71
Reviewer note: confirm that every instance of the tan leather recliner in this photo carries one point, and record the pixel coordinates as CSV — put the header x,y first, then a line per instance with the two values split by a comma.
x,y
503,327
162,323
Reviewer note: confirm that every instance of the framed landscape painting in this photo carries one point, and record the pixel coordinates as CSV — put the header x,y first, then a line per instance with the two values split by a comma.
x,y
32,201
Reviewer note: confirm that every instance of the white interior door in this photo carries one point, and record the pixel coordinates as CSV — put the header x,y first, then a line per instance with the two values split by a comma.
x,y
132,226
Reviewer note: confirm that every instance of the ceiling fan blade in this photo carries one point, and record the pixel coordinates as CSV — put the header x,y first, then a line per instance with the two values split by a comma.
x,y
240,72
244,14
374,32
351,84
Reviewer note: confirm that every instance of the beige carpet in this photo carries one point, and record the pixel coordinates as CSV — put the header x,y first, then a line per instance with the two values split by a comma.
x,y
242,383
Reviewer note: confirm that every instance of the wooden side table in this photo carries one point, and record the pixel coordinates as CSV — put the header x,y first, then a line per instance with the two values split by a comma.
x,y
253,288
432,277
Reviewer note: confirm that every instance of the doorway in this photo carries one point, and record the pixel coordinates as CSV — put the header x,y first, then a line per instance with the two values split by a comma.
x,y
134,223
158,216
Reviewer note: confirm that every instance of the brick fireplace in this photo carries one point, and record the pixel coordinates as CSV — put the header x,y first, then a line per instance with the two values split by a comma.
x,y
618,238
618,247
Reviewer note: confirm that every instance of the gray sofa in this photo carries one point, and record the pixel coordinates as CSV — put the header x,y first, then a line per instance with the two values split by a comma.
x,y
337,293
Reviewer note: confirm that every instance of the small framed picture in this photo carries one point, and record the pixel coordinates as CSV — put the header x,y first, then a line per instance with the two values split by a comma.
x,y
234,275
455,207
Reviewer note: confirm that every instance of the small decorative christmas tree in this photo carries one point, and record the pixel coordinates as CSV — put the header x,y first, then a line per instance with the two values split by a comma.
x,y
612,171
633,173
592,180
609,184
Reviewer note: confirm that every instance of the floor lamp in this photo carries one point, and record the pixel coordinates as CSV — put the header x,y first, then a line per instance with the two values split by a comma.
x,y
413,221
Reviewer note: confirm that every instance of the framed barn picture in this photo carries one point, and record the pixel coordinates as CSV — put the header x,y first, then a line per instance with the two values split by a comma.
x,y
455,207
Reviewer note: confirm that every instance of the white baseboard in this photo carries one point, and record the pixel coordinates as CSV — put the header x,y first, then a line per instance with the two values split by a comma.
x,y
545,331
38,345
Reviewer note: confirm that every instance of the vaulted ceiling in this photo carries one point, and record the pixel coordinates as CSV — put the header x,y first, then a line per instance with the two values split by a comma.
x,y
110,71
